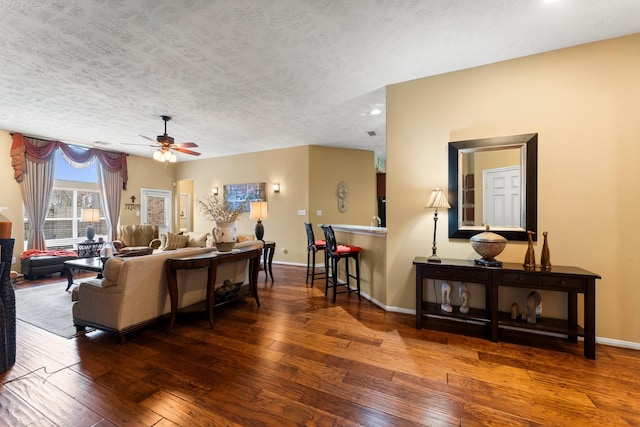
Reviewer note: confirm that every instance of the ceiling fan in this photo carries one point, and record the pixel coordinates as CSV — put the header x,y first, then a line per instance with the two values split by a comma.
x,y
166,145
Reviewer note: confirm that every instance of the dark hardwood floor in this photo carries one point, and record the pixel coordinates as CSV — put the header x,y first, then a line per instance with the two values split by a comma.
x,y
301,360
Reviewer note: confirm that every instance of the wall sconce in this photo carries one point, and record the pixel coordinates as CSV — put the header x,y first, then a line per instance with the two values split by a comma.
x,y
276,187
214,191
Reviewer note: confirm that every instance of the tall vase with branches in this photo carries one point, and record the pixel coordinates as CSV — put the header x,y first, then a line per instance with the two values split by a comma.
x,y
217,209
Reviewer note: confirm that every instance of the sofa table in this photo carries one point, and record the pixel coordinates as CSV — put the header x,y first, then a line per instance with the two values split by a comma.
x,y
571,280
210,261
87,264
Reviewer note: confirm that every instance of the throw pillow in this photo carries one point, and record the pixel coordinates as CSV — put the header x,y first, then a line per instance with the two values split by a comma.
x,y
176,241
197,240
245,237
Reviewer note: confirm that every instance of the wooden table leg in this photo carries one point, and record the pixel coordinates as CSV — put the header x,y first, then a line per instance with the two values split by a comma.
x,y
69,273
212,272
254,269
172,285
590,320
418,297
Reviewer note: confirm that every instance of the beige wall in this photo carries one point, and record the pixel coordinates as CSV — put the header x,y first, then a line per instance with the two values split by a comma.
x,y
327,168
301,173
150,174
584,102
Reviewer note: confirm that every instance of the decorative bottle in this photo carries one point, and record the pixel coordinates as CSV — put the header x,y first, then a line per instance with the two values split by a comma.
x,y
545,260
530,256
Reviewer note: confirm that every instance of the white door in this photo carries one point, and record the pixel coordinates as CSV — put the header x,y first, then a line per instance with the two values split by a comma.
x,y
155,208
501,197
184,212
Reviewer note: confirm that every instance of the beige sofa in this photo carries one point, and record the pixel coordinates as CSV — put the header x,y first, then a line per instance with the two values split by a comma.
x,y
195,239
133,292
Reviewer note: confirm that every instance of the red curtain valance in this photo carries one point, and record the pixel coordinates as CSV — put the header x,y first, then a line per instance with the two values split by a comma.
x,y
23,148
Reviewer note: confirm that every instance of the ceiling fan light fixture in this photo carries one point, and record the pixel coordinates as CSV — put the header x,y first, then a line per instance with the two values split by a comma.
x,y
158,155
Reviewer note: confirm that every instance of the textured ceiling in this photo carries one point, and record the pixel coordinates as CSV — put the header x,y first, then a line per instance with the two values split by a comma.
x,y
242,76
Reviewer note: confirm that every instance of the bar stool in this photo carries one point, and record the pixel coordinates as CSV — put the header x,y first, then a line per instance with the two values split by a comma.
x,y
313,246
335,253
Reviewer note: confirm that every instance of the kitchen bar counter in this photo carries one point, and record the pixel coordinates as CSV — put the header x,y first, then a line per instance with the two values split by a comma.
x,y
373,259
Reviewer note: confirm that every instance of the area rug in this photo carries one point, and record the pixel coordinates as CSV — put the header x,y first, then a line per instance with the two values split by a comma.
x,y
48,307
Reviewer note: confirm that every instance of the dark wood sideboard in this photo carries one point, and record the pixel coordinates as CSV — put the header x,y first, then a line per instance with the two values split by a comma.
x,y
571,280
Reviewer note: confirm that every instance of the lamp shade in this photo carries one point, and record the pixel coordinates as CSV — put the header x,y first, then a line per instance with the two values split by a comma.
x,y
90,215
438,200
259,210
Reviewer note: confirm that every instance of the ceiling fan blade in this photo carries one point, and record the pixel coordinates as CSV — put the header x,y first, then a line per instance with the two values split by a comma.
x,y
146,137
186,145
185,151
141,144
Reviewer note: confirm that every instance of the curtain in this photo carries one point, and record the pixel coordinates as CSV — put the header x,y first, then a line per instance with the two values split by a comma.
x,y
34,168
37,189
24,148
110,185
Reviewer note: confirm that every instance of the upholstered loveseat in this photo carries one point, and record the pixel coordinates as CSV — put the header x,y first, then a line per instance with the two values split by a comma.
x,y
133,292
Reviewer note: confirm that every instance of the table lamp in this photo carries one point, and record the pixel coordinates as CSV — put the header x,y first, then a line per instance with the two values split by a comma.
x,y
437,200
258,211
90,215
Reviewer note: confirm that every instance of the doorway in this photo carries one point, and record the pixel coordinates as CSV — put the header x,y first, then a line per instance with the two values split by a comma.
x,y
155,209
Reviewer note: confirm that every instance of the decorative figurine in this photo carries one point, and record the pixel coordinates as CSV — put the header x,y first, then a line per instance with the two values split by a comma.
x,y
463,293
530,256
534,300
545,260
445,289
514,311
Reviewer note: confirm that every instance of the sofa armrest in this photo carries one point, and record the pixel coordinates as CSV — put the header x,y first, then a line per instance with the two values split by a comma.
x,y
97,304
155,244
118,245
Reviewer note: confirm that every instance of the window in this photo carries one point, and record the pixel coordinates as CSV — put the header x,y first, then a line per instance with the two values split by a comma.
x,y
74,189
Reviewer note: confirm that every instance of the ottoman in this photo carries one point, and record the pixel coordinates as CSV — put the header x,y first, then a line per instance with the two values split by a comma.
x,y
43,265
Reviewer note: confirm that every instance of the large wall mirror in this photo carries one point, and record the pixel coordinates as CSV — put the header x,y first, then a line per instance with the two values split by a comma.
x,y
493,181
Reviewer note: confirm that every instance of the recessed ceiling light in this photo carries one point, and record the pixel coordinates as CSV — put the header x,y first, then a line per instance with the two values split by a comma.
x,y
374,110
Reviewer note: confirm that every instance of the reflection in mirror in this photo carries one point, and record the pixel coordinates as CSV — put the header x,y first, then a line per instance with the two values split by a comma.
x,y
493,182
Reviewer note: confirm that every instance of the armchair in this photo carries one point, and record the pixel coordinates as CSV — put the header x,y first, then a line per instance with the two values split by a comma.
x,y
133,237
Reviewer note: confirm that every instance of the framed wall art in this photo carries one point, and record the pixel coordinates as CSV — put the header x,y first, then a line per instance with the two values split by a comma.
x,y
241,194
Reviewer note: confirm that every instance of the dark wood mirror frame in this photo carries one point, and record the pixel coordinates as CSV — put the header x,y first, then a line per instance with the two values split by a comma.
x,y
529,176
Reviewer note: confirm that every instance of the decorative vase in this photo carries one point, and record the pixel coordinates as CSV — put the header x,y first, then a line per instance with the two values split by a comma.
x,y
5,229
225,236
488,245
545,259
530,256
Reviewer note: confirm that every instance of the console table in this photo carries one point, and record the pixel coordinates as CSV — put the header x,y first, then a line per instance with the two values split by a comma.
x,y
210,261
571,280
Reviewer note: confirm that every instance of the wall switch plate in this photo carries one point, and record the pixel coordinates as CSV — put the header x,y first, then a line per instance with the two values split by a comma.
x,y
302,212
318,213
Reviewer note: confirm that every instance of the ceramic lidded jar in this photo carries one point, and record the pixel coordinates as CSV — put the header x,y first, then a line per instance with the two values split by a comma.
x,y
488,245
